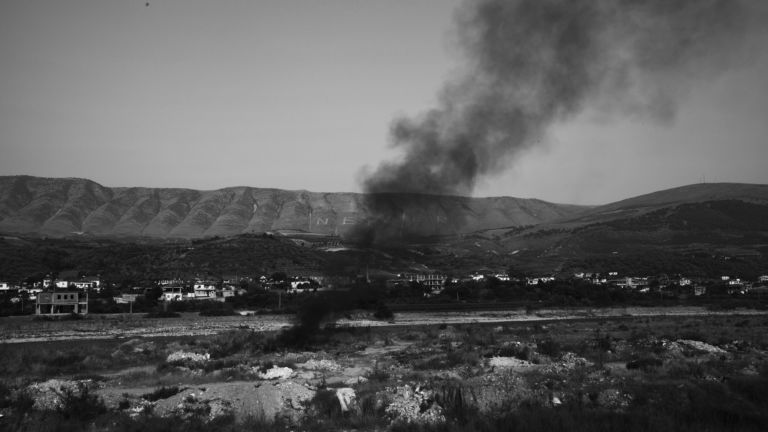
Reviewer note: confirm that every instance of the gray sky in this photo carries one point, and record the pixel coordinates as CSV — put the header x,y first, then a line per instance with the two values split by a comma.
x,y
301,94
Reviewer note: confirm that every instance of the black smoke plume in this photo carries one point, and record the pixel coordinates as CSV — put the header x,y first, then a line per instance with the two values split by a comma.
x,y
532,63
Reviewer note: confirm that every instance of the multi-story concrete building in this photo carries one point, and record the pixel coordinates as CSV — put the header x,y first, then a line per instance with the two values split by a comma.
x,y
61,303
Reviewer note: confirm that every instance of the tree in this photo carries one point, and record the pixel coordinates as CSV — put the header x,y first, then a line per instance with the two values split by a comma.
x,y
153,294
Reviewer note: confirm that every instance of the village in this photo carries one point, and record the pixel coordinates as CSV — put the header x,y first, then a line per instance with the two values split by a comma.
x,y
69,294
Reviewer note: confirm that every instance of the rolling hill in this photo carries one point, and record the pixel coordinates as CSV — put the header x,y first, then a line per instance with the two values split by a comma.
x,y
698,227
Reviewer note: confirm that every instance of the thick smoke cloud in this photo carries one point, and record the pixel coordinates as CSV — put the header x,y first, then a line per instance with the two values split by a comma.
x,y
532,63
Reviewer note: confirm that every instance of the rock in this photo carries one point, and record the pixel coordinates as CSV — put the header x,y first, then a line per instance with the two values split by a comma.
x,y
355,380
142,407
188,359
197,405
698,346
508,362
219,408
284,399
612,398
276,372
322,365
295,396
567,362
750,370
306,375
346,397
410,405
49,395
572,360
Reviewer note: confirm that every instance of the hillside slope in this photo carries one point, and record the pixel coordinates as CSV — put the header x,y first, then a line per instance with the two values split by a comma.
x,y
695,227
63,207
691,194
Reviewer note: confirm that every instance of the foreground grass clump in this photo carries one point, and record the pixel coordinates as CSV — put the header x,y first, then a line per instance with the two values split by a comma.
x,y
449,360
50,359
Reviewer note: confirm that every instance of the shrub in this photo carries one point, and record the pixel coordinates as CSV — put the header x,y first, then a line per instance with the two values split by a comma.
x,y
549,347
215,365
237,341
383,312
378,375
5,396
161,393
688,370
449,360
752,389
644,363
162,314
213,308
81,404
326,404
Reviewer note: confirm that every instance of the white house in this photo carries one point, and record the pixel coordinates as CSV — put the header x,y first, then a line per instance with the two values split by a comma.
x,y
4,286
203,290
538,280
173,294
87,283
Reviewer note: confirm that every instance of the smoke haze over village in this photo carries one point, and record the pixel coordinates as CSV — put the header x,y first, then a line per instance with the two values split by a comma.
x,y
578,102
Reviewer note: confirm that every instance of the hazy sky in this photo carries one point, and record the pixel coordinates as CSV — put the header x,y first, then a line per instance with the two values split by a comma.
x,y
301,94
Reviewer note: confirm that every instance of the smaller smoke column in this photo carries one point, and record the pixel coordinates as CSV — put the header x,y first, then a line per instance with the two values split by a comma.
x,y
531,63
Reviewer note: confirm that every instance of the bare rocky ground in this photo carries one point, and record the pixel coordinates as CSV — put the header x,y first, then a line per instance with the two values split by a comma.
x,y
420,373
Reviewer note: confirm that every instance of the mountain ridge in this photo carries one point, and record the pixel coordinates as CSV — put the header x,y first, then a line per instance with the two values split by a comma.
x,y
62,207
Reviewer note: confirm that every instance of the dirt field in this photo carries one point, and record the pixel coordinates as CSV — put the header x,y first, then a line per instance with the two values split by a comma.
x,y
30,329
